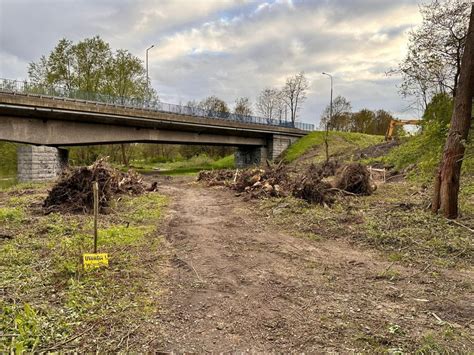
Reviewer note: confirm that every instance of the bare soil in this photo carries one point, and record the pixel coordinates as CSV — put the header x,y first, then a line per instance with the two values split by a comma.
x,y
238,282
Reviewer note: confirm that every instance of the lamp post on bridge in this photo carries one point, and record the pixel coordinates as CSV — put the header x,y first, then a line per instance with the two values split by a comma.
x,y
326,144
146,63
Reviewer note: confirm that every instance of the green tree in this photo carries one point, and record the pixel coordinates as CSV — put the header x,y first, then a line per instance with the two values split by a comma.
x,y
92,58
88,68
436,119
214,104
91,67
362,121
125,76
381,122
59,65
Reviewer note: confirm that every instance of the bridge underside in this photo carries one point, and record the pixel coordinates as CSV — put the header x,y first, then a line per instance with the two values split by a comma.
x,y
49,124
66,133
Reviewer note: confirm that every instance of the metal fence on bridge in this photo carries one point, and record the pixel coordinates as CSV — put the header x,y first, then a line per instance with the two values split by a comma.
x,y
24,87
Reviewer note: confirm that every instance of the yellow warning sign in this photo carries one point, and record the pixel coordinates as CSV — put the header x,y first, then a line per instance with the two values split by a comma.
x,y
93,261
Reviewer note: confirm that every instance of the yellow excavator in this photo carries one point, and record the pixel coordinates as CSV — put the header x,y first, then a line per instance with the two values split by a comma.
x,y
394,123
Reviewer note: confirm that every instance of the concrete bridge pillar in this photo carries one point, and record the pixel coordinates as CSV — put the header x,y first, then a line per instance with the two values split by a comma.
x,y
278,144
247,156
40,163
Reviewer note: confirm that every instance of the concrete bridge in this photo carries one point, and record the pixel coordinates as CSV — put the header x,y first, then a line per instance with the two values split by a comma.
x,y
58,122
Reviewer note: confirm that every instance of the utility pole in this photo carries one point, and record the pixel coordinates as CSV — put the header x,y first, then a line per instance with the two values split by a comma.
x,y
326,143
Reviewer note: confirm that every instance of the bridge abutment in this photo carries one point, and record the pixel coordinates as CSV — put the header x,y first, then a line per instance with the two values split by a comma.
x,y
256,155
278,144
40,163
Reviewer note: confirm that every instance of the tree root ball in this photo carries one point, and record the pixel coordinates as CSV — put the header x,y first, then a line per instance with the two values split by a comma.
x,y
354,178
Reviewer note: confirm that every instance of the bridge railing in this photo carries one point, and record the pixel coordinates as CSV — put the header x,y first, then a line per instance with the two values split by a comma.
x,y
25,87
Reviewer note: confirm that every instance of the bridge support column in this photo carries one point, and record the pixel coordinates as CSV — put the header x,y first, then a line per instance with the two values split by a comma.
x,y
277,144
248,156
40,163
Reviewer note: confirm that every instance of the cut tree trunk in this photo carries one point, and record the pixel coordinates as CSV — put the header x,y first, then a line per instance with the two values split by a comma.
x,y
446,187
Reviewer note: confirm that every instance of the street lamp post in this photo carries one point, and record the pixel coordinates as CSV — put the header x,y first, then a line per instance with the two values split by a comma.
x,y
146,63
330,107
326,143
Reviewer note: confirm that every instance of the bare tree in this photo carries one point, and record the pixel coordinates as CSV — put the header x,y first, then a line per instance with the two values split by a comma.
x,y
446,190
269,104
294,94
435,49
243,106
341,115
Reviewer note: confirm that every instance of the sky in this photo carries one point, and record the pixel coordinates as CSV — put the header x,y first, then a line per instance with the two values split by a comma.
x,y
231,48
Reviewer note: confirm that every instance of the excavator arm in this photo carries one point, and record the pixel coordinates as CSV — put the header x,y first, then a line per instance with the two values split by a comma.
x,y
394,123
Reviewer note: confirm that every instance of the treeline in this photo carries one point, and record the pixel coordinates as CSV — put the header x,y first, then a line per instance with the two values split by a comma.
x,y
281,104
92,67
363,121
127,154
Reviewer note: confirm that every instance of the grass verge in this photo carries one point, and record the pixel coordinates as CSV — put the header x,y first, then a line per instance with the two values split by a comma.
x,y
49,302
393,220
339,143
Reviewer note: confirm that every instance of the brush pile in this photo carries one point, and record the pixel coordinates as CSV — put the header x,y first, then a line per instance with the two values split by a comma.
x,y
354,178
271,181
73,192
312,185
216,177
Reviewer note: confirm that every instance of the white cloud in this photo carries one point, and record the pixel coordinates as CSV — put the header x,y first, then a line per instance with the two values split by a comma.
x,y
229,48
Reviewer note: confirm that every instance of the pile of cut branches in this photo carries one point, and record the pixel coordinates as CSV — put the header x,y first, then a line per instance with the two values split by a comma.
x,y
216,177
73,192
311,185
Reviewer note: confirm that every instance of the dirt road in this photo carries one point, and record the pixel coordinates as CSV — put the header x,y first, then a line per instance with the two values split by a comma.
x,y
237,283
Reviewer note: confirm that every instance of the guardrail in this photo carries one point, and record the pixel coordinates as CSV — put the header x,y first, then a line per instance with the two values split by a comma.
x,y
24,87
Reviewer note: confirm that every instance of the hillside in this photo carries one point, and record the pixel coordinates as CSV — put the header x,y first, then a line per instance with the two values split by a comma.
x,y
342,145
413,158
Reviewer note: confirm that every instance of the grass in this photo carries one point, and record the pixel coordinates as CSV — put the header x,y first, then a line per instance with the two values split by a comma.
x,y
393,220
187,167
50,298
339,142
11,215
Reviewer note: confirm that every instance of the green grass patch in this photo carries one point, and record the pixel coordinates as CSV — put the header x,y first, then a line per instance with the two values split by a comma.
x,y
51,298
12,216
393,220
186,167
339,143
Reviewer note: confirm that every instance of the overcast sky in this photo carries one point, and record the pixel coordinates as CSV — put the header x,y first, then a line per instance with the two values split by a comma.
x,y
230,48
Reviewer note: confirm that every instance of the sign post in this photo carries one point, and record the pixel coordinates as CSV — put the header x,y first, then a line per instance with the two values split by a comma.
x,y
93,261
95,188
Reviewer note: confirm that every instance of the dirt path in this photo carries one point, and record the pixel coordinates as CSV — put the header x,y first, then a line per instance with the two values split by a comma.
x,y
239,284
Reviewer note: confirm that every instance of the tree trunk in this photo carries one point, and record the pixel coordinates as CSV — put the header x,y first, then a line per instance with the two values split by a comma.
x,y
124,155
446,189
